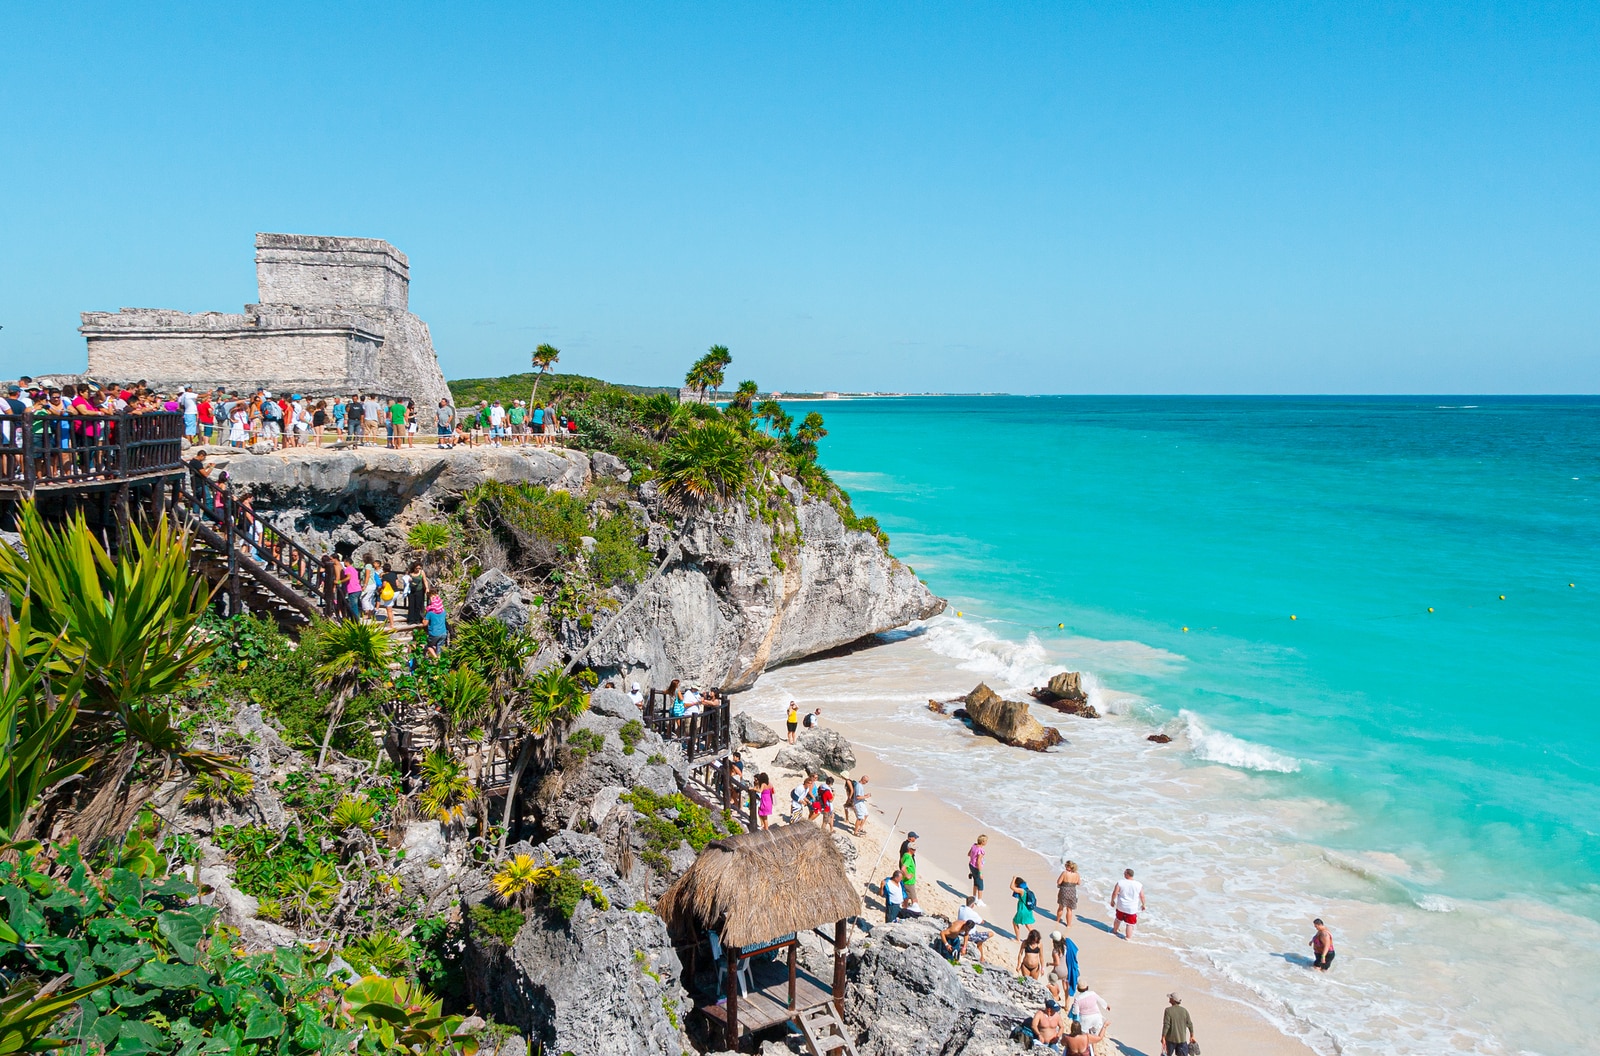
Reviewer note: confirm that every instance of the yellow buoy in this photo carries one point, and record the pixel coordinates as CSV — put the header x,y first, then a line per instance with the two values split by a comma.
x,y
1294,617
1430,608
1060,625
1502,597
1186,630
958,612
1571,584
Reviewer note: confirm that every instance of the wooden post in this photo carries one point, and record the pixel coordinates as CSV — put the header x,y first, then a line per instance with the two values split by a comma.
x,y
732,987
233,561
28,454
838,967
793,972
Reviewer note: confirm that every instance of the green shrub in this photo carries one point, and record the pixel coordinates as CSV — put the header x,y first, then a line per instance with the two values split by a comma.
x,y
630,734
689,823
584,743
503,924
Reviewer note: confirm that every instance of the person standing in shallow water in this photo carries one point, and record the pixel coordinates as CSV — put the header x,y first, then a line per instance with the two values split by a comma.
x,y
1322,946
1127,901
793,720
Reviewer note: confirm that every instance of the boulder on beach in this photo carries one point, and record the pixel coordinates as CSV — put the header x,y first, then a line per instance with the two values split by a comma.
x,y
752,734
1064,692
830,748
1008,720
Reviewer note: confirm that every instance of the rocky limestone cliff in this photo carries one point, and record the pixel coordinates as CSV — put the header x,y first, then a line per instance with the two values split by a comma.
x,y
730,605
727,610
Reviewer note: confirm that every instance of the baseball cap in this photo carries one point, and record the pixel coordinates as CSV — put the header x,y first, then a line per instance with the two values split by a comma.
x,y
911,835
1050,1003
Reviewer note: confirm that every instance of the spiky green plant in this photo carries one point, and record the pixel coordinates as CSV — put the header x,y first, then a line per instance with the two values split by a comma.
x,y
354,812
217,791
355,653
306,893
430,537
447,790
128,627
382,951
519,878
463,696
36,717
705,463
552,698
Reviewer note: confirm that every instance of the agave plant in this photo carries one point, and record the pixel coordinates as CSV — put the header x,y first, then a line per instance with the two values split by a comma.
x,y
354,812
128,627
354,654
711,461
404,1017
36,718
446,790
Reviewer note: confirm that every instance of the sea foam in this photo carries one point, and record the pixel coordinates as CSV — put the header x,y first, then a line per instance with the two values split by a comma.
x,y
1214,746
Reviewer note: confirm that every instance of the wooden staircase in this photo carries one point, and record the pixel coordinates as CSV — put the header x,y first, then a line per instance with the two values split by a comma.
x,y
824,1032
258,568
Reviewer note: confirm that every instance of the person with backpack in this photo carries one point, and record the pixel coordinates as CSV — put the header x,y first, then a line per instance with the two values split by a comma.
x,y
1027,902
822,806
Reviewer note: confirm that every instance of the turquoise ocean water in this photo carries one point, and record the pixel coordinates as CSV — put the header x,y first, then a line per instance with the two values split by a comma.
x,y
1461,742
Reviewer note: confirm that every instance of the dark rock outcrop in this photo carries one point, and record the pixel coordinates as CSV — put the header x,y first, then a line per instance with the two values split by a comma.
x,y
495,595
907,1000
752,734
1159,738
1065,693
1008,720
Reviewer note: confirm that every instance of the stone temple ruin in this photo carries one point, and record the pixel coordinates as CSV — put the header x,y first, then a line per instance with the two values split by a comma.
x,y
332,321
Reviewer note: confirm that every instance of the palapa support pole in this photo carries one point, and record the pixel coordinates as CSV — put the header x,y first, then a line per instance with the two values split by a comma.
x,y
838,967
732,986
793,972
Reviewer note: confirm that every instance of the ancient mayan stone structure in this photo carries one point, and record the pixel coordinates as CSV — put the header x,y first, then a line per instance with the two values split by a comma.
x,y
332,320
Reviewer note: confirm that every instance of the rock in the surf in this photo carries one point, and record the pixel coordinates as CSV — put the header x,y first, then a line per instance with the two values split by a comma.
x,y
1009,720
1065,693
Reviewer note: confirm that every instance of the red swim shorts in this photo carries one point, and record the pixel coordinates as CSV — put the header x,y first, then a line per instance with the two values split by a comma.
x,y
1127,918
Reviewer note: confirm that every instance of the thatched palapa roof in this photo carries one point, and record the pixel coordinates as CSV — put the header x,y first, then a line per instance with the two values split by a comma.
x,y
760,885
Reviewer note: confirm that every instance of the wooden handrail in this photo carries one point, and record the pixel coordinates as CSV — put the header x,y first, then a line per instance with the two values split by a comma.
x,y
44,449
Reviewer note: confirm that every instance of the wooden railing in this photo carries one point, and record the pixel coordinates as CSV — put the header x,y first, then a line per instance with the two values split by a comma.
x,y
47,450
708,733
304,580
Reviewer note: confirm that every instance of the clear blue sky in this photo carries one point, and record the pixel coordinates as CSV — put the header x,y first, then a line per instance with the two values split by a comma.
x,y
1062,197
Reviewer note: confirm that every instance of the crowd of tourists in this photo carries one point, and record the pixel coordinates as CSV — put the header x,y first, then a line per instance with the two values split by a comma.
x,y
246,419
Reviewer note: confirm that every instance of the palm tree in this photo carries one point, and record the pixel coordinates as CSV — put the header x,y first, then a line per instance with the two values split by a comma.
x,y
544,357
554,698
712,461
354,655
446,788
808,435
462,695
771,412
519,878
709,370
663,414
745,396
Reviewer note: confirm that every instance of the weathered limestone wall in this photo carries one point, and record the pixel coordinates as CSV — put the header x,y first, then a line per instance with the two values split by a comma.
x,y
309,270
332,321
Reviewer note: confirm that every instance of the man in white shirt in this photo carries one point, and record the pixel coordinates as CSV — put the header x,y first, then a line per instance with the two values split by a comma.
x,y
189,404
636,695
1127,899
